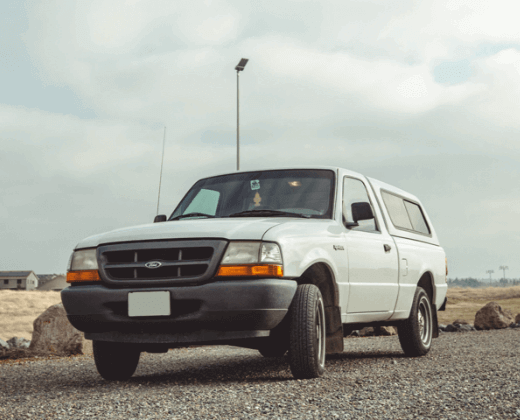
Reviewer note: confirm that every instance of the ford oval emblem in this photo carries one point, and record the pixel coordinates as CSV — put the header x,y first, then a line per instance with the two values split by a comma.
x,y
153,264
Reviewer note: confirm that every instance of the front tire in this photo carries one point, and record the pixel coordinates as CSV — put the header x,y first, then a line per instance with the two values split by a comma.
x,y
115,361
415,333
307,333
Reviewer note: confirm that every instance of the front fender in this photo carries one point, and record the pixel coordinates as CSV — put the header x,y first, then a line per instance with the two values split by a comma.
x,y
298,256
305,243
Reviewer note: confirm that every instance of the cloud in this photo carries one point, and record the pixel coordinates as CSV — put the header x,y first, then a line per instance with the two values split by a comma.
x,y
501,74
354,84
190,81
383,84
112,27
215,23
480,19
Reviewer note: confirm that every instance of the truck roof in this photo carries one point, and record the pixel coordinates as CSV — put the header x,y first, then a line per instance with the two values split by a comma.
x,y
331,168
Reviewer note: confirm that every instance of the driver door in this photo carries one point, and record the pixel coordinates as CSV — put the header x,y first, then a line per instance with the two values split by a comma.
x,y
372,258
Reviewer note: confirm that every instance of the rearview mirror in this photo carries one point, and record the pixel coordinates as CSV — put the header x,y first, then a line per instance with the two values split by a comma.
x,y
160,218
362,211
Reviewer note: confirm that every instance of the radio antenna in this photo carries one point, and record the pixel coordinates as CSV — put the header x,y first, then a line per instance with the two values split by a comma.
x,y
162,161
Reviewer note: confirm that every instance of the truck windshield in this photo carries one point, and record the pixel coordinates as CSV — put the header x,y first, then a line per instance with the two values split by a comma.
x,y
289,193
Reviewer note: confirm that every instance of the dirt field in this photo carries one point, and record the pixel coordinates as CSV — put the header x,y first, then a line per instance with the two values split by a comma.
x,y
464,303
18,309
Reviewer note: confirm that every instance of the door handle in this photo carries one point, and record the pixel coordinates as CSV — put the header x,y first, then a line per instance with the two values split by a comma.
x,y
387,248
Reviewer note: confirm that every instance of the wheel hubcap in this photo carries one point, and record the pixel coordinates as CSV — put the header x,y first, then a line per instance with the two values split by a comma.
x,y
424,321
421,322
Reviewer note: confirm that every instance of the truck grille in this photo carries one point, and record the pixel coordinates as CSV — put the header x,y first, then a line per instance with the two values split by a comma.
x,y
160,262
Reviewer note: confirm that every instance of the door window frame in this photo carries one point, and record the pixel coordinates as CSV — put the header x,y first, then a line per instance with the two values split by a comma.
x,y
376,221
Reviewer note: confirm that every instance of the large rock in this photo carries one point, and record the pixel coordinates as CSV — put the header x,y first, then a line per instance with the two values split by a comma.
x,y
492,317
366,332
386,330
4,347
452,328
19,343
466,327
376,331
456,327
53,333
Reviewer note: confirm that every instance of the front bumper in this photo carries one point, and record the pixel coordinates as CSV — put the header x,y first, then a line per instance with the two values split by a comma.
x,y
206,312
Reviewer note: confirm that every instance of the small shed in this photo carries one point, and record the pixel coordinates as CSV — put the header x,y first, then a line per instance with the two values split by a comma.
x,y
18,280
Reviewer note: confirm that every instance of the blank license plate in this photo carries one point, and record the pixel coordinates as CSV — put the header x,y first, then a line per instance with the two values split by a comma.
x,y
149,303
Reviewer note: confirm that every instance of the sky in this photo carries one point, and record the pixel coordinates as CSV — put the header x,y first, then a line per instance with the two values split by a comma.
x,y
423,95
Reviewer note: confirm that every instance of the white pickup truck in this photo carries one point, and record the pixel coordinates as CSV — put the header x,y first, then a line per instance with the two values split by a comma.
x,y
281,261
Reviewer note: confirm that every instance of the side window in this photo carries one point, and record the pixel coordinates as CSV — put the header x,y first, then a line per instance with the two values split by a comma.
x,y
354,191
405,214
6,281
417,217
397,210
206,201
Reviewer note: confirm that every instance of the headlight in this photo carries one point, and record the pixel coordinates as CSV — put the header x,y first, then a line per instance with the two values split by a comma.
x,y
84,260
83,266
251,259
270,253
241,253
252,253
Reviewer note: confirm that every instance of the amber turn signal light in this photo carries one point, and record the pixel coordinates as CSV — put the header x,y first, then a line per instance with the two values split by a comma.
x,y
83,275
250,270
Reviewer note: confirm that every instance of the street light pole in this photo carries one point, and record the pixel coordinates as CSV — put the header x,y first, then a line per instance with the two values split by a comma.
x,y
240,67
504,268
238,120
490,272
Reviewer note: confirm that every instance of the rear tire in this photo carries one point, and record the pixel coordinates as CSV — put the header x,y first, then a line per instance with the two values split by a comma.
x,y
415,333
115,361
307,333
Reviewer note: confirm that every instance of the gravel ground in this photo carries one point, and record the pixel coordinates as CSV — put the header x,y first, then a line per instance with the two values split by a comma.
x,y
472,375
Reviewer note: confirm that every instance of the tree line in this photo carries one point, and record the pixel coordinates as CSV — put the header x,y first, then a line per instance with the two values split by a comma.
x,y
480,283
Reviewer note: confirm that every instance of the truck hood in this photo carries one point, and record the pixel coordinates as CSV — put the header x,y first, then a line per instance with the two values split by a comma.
x,y
239,228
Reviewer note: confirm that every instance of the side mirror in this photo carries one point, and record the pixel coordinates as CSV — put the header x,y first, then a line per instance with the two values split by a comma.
x,y
160,218
350,225
362,211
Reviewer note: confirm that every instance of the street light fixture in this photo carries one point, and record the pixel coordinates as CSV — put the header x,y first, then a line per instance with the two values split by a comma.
x,y
240,67
504,268
490,272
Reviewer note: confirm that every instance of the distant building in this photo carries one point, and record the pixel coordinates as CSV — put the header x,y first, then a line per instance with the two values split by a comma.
x,y
54,282
43,279
18,280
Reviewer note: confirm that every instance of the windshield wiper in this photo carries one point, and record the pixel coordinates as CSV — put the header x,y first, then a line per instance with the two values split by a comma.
x,y
268,213
182,216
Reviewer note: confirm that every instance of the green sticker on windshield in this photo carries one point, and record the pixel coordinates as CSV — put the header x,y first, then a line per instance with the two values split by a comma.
x,y
255,184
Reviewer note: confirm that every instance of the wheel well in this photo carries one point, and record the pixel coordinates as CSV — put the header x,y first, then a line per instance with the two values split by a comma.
x,y
426,282
321,276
